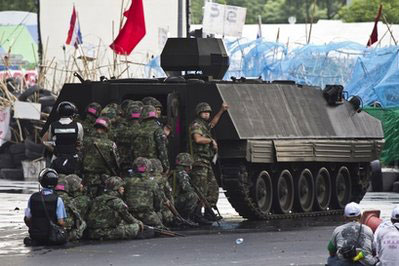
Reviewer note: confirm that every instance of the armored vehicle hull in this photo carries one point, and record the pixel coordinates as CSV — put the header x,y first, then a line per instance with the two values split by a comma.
x,y
282,148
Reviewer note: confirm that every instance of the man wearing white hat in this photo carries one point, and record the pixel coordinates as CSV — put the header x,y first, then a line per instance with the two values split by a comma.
x,y
351,243
386,241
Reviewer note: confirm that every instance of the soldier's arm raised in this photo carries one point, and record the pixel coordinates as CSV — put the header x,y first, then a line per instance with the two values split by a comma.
x,y
217,117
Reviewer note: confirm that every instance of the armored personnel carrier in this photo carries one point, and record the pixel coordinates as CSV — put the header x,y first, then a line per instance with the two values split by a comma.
x,y
284,148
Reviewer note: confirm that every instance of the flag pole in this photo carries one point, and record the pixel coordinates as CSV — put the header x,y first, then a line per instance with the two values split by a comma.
x,y
260,26
389,29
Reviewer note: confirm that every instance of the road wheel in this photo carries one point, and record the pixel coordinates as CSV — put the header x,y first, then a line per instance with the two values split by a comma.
x,y
322,190
284,192
263,195
304,191
342,188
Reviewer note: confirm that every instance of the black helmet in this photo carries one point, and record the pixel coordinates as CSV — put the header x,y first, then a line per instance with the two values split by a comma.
x,y
48,178
66,109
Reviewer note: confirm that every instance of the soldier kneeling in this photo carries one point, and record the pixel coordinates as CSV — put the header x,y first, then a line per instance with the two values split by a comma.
x,y
109,217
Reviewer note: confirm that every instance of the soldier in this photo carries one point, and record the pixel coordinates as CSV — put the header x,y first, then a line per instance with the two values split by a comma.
x,y
351,243
74,223
165,191
203,148
113,112
68,137
125,136
109,217
95,167
93,110
79,199
143,195
186,199
161,120
151,140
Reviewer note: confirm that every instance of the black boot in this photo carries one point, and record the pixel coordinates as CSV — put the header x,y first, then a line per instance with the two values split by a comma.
x,y
211,216
198,218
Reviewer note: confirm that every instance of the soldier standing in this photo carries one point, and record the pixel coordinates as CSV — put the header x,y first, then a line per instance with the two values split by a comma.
x,y
95,168
143,194
203,148
109,217
68,137
151,140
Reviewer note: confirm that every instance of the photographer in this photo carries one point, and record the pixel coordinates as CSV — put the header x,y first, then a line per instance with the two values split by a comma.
x,y
351,243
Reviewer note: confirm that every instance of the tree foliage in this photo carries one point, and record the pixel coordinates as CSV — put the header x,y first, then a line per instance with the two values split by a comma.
x,y
20,5
366,10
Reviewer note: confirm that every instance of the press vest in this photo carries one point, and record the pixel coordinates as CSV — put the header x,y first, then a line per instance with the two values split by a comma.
x,y
66,137
40,224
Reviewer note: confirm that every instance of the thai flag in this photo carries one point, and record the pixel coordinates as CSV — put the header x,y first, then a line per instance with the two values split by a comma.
x,y
74,34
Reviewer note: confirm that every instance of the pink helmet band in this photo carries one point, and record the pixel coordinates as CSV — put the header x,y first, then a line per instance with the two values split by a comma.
x,y
141,169
135,115
101,121
152,114
91,110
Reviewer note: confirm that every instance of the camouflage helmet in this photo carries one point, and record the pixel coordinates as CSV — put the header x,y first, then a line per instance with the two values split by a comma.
x,y
113,183
156,166
102,122
139,103
62,184
125,105
93,109
141,165
74,182
150,101
184,159
148,111
111,110
134,111
202,107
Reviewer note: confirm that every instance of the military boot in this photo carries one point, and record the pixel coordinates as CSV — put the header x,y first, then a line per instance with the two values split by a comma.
x,y
198,218
211,216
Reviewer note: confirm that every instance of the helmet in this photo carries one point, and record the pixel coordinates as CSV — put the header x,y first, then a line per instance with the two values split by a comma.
x,y
125,105
184,159
156,166
94,109
141,165
134,111
74,182
148,111
139,103
48,178
113,183
102,122
66,109
202,107
62,184
111,110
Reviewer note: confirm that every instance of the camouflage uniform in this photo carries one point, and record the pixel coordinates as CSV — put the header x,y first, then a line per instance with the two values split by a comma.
x,y
142,194
109,217
202,174
125,135
74,224
165,190
94,169
81,201
151,140
186,199
93,110
113,112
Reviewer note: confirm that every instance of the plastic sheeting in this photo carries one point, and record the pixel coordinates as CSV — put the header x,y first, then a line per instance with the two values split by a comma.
x,y
371,73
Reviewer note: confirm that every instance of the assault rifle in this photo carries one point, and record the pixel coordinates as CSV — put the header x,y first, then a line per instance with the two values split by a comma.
x,y
172,208
163,231
206,204
110,168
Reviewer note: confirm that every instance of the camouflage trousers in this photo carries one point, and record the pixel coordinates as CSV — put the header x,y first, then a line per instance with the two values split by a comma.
x,y
76,233
122,231
148,217
204,179
166,215
186,204
94,184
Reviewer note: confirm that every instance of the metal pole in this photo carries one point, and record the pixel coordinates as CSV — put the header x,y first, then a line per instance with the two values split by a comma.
x,y
188,17
180,18
40,44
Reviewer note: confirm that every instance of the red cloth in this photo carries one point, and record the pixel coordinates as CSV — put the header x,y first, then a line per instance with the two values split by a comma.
x,y
374,34
133,30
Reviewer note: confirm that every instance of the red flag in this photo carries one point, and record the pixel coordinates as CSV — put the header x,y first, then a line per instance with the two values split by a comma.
x,y
74,35
133,30
374,34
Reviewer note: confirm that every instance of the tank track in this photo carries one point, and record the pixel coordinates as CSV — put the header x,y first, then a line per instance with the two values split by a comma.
x,y
238,192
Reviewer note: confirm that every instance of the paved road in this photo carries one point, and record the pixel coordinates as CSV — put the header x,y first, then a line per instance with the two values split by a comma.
x,y
284,242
